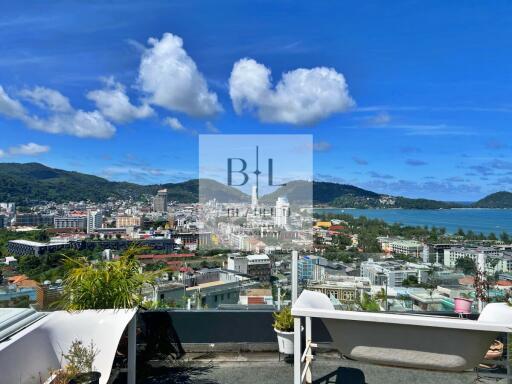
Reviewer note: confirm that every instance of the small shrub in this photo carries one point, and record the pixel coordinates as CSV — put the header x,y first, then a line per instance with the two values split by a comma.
x,y
283,320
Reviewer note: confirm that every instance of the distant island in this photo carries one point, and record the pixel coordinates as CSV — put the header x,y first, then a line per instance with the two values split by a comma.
x,y
33,183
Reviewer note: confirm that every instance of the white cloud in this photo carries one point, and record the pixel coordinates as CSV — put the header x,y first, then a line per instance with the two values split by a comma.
x,y
47,99
61,119
171,79
10,107
30,149
174,123
210,127
302,96
78,123
2,153
114,104
381,118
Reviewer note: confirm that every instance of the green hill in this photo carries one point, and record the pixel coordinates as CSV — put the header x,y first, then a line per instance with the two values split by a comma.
x,y
30,183
34,182
501,199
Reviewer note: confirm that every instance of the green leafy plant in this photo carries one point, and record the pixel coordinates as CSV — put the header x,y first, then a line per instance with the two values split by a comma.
x,y
105,284
283,320
369,304
80,358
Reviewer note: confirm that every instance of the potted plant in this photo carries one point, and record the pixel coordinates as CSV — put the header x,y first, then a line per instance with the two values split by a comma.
x,y
283,325
463,304
79,368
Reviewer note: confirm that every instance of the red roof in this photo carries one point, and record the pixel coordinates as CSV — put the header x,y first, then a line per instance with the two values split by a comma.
x,y
337,228
252,300
504,283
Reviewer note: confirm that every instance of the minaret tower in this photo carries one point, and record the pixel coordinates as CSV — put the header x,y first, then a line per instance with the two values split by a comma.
x,y
254,199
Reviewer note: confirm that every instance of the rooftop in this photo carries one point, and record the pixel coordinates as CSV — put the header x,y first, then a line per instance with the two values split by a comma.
x,y
264,367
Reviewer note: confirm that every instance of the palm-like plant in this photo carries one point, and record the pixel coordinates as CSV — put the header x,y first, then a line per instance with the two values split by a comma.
x,y
105,284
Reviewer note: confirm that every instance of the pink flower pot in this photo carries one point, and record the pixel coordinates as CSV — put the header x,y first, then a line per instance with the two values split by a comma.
x,y
462,305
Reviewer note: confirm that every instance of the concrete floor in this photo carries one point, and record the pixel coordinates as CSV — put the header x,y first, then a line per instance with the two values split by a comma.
x,y
266,368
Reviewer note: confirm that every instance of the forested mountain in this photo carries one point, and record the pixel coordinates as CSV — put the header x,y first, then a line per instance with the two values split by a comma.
x,y
31,183
501,199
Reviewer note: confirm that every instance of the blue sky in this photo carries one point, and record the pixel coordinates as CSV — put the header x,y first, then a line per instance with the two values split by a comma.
x,y
408,98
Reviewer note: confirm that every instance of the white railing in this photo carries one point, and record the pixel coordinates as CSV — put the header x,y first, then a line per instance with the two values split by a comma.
x,y
302,360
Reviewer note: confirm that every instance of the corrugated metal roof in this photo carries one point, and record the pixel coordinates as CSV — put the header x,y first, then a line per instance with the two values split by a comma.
x,y
13,320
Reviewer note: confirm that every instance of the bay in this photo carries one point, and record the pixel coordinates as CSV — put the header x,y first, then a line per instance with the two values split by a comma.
x,y
475,219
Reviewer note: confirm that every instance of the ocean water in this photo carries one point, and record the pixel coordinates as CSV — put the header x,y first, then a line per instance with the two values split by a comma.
x,y
478,220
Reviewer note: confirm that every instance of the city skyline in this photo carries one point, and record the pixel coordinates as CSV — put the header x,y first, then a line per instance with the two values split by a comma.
x,y
125,94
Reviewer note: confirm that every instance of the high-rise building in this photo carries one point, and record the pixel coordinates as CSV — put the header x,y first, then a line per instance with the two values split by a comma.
x,y
77,222
254,198
160,201
282,212
94,220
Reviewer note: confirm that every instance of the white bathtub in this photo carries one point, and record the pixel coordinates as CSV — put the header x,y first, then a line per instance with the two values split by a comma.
x,y
414,341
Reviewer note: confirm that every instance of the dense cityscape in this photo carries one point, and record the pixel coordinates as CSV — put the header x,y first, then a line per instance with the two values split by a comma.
x,y
351,259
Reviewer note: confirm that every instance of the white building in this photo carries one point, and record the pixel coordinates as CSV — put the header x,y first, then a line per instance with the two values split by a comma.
x,y
282,212
94,220
391,272
254,197
237,263
503,259
400,246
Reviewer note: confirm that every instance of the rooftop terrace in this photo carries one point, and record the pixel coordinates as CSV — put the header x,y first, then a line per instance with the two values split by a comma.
x,y
265,367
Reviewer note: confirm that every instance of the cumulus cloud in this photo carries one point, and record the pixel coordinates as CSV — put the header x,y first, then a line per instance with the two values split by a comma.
x,y
302,96
77,123
174,123
30,149
10,107
113,102
47,98
172,80
60,117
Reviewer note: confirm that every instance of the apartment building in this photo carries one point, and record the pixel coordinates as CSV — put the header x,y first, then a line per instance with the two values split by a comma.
x,y
389,272
503,259
128,221
75,222
33,220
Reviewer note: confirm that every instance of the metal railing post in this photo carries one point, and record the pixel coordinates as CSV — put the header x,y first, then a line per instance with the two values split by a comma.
x,y
278,297
297,365
295,276
132,349
309,356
